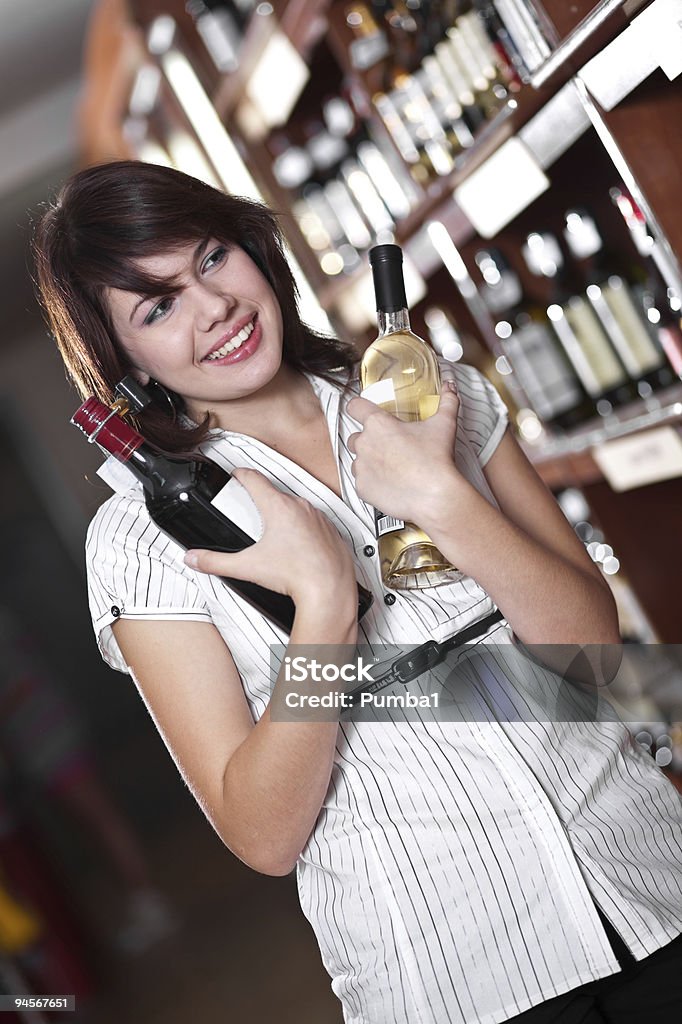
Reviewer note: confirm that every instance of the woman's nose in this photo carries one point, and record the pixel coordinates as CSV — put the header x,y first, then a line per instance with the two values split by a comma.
x,y
212,306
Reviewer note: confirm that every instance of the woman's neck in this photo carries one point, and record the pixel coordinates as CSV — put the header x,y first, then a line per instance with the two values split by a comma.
x,y
285,405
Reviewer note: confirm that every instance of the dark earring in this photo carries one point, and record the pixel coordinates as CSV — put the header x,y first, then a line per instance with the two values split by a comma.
x,y
164,398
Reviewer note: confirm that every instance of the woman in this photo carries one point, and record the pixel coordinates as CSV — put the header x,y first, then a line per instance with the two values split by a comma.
x,y
451,871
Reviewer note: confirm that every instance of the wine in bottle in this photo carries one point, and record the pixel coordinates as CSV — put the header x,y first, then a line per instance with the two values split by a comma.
x,y
399,372
194,501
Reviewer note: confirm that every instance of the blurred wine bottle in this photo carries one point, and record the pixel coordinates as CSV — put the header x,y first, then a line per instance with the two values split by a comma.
x,y
530,345
221,25
616,293
508,57
369,45
585,342
662,302
489,92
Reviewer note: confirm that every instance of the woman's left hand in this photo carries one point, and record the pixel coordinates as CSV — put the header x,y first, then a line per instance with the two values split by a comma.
x,y
403,468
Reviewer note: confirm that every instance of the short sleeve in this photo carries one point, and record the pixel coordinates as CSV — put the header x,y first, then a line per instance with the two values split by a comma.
x,y
135,571
483,416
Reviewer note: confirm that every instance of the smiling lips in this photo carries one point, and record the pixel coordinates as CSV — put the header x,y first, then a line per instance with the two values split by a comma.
x,y
234,343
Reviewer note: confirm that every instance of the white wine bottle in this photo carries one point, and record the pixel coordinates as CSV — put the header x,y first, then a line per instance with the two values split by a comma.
x,y
399,372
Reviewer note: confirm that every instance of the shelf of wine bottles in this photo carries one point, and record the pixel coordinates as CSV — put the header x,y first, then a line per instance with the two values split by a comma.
x,y
396,95
370,114
437,73
579,309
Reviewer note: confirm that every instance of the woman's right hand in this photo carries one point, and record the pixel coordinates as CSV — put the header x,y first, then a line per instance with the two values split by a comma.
x,y
300,552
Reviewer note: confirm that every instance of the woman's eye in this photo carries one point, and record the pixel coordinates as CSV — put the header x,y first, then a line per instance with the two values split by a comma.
x,y
158,311
214,259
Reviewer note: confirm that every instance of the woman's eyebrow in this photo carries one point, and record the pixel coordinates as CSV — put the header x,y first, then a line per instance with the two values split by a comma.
x,y
145,298
196,256
199,251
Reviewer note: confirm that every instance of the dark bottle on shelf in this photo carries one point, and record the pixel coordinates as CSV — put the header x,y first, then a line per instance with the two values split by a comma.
x,y
619,302
588,347
186,496
530,345
404,38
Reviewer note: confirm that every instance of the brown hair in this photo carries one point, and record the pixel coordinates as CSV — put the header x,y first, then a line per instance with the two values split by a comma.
x,y
107,217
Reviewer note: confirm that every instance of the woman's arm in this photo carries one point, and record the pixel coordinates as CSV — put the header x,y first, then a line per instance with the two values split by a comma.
x,y
262,785
525,555
530,561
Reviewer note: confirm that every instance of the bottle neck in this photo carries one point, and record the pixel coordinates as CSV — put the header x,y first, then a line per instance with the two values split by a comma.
x,y
392,322
103,426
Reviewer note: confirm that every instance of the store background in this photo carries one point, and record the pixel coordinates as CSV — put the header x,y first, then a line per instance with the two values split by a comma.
x,y
233,927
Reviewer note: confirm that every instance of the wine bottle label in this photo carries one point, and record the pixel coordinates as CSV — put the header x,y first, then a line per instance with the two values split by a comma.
x,y
379,392
386,524
237,505
549,384
117,475
587,347
368,50
639,352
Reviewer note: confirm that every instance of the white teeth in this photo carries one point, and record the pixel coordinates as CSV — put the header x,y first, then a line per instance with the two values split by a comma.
x,y
234,343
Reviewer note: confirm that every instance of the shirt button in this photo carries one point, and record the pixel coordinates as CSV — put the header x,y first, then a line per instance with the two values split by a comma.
x,y
115,611
368,550
389,598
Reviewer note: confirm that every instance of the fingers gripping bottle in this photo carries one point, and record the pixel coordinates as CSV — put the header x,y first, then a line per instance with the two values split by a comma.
x,y
399,372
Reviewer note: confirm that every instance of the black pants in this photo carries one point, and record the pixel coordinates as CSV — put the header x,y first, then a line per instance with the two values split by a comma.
x,y
643,990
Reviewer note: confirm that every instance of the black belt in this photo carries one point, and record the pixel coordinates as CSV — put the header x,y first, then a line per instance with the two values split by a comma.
x,y
409,666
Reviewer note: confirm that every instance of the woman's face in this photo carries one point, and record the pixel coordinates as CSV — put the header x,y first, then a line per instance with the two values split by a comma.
x,y
217,337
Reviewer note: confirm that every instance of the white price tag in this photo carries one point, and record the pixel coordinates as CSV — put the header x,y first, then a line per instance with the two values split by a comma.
x,y
502,187
645,458
661,26
654,39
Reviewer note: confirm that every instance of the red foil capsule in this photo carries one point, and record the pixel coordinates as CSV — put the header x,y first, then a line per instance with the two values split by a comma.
x,y
101,424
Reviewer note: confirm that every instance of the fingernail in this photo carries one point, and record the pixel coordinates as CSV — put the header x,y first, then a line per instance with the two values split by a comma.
x,y
192,558
451,384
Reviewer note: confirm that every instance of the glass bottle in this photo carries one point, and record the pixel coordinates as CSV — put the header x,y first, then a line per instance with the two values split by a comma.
x,y
399,372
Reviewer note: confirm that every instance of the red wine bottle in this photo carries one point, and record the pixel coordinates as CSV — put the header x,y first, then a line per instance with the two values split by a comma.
x,y
183,496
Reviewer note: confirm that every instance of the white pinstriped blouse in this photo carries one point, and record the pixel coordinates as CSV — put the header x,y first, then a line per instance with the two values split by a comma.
x,y
454,868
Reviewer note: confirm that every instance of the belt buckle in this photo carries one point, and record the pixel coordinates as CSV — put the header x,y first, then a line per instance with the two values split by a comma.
x,y
415,662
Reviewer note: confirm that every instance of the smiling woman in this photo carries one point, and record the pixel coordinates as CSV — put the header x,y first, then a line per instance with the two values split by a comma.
x,y
458,871
217,311
138,258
